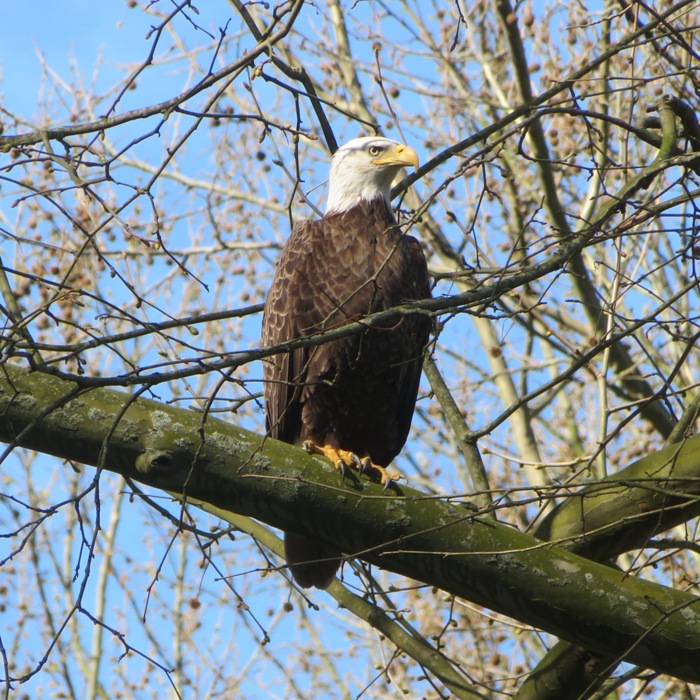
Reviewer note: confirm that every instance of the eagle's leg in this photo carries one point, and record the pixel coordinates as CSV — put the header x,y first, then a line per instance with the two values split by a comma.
x,y
345,458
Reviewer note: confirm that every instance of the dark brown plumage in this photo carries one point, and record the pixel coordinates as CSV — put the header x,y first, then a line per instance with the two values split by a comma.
x,y
357,393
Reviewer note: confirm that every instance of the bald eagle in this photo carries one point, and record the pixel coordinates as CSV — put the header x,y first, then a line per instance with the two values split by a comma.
x,y
350,399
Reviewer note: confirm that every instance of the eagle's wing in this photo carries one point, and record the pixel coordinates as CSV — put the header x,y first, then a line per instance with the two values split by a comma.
x,y
294,307
417,287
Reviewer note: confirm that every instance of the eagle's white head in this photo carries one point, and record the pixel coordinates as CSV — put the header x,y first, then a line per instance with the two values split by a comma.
x,y
364,168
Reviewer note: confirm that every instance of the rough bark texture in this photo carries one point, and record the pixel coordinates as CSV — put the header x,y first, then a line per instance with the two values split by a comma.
x,y
442,543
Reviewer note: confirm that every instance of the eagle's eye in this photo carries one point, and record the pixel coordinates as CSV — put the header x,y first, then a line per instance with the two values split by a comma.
x,y
375,150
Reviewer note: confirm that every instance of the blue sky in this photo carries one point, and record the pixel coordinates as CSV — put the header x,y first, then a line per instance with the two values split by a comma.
x,y
85,33
78,33
59,30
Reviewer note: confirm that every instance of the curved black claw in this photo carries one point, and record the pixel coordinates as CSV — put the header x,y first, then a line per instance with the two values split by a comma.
x,y
342,468
388,483
356,461
365,465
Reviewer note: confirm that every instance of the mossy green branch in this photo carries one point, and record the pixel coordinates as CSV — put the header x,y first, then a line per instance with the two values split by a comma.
x,y
620,513
442,543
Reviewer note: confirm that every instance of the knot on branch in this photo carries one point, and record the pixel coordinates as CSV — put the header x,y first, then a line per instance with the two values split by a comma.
x,y
155,462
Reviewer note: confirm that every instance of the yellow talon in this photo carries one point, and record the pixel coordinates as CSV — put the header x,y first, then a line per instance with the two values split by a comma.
x,y
346,458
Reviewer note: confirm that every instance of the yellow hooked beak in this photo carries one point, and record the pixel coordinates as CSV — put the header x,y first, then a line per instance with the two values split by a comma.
x,y
398,155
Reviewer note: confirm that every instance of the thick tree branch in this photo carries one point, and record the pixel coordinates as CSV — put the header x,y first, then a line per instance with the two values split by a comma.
x,y
442,543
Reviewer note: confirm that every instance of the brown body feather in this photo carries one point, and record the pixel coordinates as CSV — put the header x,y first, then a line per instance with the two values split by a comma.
x,y
357,393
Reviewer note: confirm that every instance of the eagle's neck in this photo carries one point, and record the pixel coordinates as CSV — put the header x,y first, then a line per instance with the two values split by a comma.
x,y
345,193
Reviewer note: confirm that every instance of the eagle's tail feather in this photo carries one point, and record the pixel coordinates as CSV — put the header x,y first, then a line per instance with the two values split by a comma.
x,y
311,562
